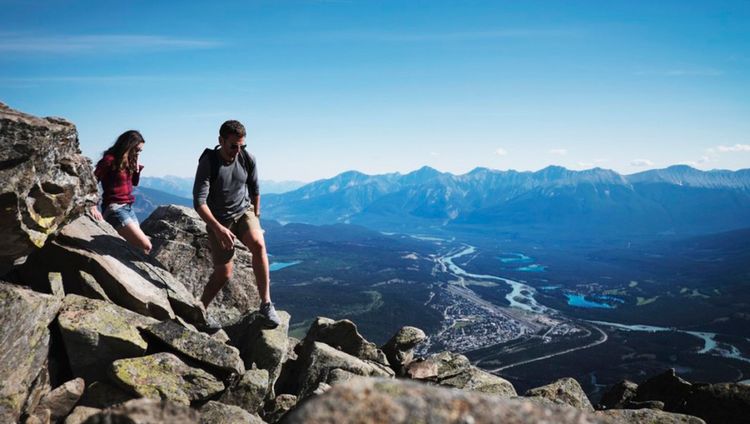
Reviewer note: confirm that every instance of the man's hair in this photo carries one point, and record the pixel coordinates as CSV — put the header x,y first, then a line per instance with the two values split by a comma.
x,y
232,127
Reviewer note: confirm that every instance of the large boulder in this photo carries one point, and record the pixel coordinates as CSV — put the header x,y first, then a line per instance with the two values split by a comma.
x,y
649,416
727,403
455,370
265,348
127,277
146,411
667,387
165,376
399,350
180,244
44,181
219,413
566,391
376,400
343,335
318,360
62,399
619,395
249,392
24,318
198,346
96,333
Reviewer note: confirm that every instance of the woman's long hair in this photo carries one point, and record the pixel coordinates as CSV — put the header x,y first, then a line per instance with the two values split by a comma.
x,y
123,150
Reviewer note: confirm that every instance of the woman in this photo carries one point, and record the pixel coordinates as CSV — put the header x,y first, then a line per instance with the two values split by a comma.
x,y
119,171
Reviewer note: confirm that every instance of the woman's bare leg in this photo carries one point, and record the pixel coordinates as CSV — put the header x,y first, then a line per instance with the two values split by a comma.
x,y
135,236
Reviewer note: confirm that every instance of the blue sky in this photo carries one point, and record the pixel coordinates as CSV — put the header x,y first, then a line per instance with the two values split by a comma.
x,y
385,86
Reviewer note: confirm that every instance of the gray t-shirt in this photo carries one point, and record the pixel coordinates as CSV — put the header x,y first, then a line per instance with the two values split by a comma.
x,y
229,195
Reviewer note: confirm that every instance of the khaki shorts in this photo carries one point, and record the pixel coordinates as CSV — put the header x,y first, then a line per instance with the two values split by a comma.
x,y
238,226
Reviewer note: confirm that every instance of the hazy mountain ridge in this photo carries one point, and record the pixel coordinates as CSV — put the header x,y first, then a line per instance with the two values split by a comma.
x,y
183,186
650,202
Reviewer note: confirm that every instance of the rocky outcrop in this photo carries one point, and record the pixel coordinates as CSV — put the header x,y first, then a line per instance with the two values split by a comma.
x,y
219,413
198,346
666,387
318,360
398,401
649,416
146,411
96,333
454,370
275,409
727,403
80,414
618,396
165,376
25,338
249,392
180,244
399,350
266,349
565,391
127,277
343,335
62,399
45,182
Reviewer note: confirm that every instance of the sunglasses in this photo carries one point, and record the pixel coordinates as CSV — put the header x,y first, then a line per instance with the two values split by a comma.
x,y
236,146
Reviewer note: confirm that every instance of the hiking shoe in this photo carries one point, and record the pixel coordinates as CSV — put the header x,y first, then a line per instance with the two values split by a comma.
x,y
269,315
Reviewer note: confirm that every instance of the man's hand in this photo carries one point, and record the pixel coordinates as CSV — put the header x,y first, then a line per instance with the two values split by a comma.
x,y
226,237
96,214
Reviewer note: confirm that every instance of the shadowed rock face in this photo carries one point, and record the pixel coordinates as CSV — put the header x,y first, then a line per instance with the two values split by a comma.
x,y
143,411
649,416
180,244
563,391
24,317
376,400
45,182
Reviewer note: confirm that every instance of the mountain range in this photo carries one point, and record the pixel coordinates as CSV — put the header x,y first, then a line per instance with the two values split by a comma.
x,y
554,201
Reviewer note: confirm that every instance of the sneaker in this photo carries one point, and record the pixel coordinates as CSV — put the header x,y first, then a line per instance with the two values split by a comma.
x,y
269,315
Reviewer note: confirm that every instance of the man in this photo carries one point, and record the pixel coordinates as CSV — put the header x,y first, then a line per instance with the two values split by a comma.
x,y
227,198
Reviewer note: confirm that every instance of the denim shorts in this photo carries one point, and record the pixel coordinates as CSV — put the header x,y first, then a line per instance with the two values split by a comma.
x,y
119,215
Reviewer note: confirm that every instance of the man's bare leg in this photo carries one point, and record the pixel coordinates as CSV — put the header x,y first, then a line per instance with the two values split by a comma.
x,y
254,241
219,277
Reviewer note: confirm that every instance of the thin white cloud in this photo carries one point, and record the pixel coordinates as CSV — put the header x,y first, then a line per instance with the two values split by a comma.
x,y
99,43
641,162
434,154
415,37
707,72
501,152
735,148
559,152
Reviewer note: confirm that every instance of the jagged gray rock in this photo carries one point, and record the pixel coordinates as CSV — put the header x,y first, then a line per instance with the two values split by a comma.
x,y
96,333
38,389
249,392
24,317
343,335
126,276
165,376
44,181
666,387
566,391
477,380
377,400
619,395
102,395
198,346
399,350
726,403
455,370
319,359
81,414
62,399
219,413
180,244
275,409
146,411
649,416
